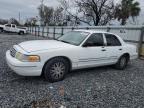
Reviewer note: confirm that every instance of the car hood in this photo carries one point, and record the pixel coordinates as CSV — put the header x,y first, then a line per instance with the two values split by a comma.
x,y
39,45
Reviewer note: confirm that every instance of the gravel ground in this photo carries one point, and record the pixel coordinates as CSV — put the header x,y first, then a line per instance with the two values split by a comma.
x,y
102,87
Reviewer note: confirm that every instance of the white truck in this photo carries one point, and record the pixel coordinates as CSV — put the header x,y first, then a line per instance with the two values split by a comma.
x,y
13,29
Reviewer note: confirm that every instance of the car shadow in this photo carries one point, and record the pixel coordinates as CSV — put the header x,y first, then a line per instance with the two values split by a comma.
x,y
74,73
93,70
41,79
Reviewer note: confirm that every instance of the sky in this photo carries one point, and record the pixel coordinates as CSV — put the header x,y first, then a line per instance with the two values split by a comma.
x,y
28,8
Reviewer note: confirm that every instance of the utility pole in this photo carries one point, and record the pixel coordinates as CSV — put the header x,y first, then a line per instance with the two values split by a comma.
x,y
19,17
42,4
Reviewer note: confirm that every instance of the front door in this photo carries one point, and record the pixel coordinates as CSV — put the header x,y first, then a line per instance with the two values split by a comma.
x,y
93,52
8,28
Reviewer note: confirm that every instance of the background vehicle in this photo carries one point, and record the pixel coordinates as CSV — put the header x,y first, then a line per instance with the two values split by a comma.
x,y
74,50
13,29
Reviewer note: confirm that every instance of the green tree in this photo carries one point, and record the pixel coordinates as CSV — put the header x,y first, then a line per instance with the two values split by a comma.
x,y
127,8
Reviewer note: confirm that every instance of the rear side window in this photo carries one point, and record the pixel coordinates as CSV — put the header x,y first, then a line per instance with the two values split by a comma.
x,y
95,39
112,40
13,26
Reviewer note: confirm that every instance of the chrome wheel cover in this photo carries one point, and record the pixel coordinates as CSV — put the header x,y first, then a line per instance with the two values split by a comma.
x,y
57,70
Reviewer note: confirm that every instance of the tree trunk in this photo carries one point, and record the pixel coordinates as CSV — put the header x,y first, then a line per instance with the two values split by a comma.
x,y
123,22
96,23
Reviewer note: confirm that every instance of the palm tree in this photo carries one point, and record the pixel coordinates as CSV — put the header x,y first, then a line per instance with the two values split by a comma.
x,y
127,8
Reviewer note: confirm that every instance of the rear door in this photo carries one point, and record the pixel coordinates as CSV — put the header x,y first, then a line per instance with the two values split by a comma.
x,y
113,47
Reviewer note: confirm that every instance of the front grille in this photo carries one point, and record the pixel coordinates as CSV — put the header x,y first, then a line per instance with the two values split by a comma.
x,y
12,52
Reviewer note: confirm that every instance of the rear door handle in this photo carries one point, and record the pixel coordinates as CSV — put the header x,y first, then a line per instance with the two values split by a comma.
x,y
120,49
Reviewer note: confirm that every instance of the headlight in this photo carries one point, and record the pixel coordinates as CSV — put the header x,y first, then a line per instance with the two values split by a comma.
x,y
27,58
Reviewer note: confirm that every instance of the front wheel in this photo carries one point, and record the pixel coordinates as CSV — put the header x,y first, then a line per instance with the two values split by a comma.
x,y
122,63
56,69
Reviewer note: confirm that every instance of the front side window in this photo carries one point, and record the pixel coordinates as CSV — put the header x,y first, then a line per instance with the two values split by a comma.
x,y
95,40
74,37
8,25
112,40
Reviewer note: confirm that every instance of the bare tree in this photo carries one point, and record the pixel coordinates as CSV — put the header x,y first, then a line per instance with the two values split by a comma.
x,y
27,22
3,21
46,14
91,12
58,16
33,21
14,21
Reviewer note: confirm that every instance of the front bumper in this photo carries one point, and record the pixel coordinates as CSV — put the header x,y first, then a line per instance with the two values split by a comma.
x,y
23,68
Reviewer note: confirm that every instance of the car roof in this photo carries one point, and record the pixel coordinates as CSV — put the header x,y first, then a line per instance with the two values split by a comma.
x,y
93,31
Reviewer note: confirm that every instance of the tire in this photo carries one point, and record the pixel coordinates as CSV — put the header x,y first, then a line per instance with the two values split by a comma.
x,y
56,69
122,62
1,30
21,33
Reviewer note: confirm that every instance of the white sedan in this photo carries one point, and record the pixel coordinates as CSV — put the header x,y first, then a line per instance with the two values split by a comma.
x,y
74,50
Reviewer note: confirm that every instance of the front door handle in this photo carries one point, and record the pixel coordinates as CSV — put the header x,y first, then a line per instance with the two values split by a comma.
x,y
120,49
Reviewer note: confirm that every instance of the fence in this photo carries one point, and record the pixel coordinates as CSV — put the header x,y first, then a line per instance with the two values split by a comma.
x,y
131,34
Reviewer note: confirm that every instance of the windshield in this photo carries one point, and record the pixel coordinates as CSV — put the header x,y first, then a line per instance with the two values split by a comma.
x,y
74,37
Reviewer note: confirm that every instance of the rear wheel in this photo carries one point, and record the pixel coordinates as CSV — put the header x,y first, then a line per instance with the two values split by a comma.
x,y
21,33
1,30
56,69
122,62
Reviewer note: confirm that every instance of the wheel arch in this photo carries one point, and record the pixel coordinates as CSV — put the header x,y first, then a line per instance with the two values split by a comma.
x,y
64,57
21,31
127,55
